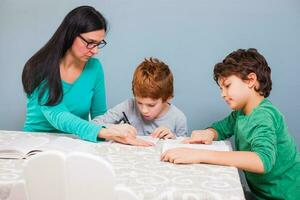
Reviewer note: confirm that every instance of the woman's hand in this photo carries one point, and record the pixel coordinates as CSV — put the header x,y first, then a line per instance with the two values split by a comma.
x,y
122,133
202,136
163,132
183,156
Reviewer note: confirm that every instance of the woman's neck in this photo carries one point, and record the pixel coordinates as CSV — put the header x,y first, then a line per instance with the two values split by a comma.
x,y
69,61
70,68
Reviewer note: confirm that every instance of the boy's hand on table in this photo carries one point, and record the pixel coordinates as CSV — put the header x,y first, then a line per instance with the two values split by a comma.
x,y
183,156
201,137
163,133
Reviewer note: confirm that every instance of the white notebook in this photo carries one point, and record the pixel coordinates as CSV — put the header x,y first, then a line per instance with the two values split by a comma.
x,y
216,146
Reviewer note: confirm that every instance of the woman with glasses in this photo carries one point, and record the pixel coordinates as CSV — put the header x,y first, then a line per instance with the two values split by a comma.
x,y
64,83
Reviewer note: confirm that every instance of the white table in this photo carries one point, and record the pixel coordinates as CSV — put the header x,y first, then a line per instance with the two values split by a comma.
x,y
140,169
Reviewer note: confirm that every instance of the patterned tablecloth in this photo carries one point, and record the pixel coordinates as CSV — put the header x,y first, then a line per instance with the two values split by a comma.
x,y
140,169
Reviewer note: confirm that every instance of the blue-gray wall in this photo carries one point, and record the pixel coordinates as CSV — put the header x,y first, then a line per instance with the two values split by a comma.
x,y
190,36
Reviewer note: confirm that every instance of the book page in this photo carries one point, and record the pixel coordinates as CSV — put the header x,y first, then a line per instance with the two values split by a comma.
x,y
216,146
23,146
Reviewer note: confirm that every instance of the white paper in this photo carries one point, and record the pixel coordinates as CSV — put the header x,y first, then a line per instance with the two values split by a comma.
x,y
216,146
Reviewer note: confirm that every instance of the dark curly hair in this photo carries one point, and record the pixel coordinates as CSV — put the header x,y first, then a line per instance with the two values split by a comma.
x,y
243,62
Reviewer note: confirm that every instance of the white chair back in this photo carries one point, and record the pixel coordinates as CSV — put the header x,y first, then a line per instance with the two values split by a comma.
x,y
45,176
89,177
76,176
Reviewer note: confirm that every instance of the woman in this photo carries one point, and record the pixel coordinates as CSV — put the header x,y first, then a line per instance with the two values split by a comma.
x,y
64,83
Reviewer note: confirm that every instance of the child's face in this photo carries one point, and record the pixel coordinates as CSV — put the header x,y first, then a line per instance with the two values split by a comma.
x,y
150,108
235,91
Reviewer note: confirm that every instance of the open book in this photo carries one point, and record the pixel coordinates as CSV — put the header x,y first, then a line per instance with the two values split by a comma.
x,y
216,146
27,145
21,147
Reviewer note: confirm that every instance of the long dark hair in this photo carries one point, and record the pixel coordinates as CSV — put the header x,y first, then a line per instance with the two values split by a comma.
x,y
42,69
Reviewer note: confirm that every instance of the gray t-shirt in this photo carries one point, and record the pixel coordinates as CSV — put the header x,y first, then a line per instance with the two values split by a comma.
x,y
174,119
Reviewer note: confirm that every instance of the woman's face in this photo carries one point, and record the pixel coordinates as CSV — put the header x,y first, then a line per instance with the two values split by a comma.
x,y
86,44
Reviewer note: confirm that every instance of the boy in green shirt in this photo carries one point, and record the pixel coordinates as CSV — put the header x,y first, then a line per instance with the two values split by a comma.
x,y
265,150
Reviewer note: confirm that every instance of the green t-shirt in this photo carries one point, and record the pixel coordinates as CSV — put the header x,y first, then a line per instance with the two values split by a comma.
x,y
86,95
264,132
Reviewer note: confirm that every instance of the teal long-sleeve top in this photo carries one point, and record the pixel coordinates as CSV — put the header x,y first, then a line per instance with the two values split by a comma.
x,y
265,132
86,95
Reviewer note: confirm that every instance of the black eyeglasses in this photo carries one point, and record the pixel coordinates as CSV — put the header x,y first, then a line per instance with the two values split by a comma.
x,y
91,45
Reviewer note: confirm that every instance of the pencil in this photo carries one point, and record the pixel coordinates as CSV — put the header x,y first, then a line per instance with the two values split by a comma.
x,y
126,119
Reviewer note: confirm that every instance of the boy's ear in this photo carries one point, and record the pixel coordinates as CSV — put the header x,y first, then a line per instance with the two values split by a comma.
x,y
252,80
169,99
